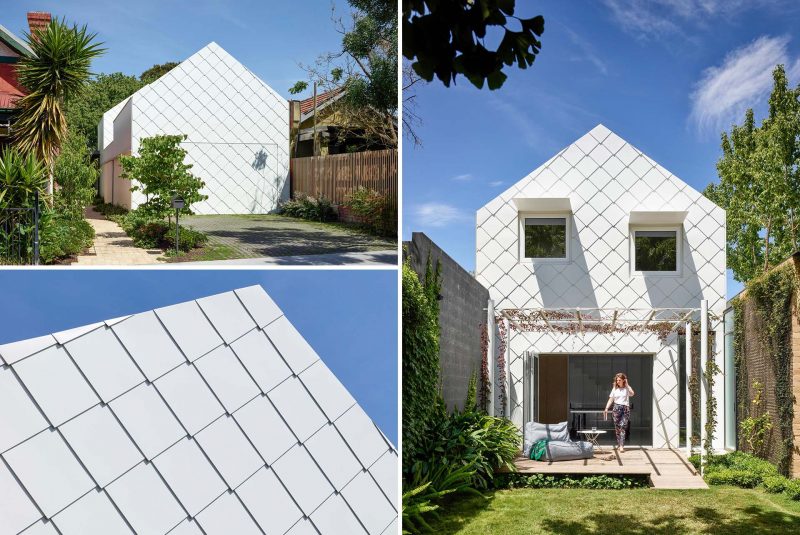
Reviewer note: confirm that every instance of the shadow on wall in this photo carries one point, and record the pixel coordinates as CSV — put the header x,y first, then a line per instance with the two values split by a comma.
x,y
555,288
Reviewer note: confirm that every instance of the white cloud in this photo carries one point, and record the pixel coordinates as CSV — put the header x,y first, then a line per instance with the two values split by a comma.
x,y
436,214
587,51
462,178
744,78
495,183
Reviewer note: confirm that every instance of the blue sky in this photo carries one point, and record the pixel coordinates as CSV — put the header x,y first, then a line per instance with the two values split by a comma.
x,y
269,37
666,75
349,317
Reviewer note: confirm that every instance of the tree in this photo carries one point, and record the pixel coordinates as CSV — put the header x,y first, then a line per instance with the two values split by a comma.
x,y
161,173
760,184
100,94
366,67
448,38
75,175
56,71
157,71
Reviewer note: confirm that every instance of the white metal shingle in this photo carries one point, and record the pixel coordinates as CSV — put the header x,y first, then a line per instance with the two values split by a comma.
x,y
49,471
306,483
291,345
266,430
227,516
268,501
227,314
189,328
71,334
362,435
370,505
42,527
17,351
187,527
56,384
385,473
303,527
189,397
16,510
19,417
94,514
190,476
298,408
260,305
148,419
329,393
105,363
334,516
261,359
149,344
101,444
146,502
229,450
227,378
333,456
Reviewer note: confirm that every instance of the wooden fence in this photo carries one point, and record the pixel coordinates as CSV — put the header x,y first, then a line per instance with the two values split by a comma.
x,y
336,176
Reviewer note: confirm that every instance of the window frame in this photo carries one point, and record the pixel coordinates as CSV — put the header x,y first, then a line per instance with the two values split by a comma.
x,y
678,229
544,215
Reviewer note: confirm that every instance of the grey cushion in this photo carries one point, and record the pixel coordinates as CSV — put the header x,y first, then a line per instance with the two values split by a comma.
x,y
568,451
534,431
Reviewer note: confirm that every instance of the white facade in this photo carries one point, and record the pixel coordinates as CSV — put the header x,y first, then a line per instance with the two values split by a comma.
x,y
606,189
237,128
212,416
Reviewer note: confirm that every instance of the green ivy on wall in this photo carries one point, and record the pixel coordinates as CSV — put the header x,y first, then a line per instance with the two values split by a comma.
x,y
420,355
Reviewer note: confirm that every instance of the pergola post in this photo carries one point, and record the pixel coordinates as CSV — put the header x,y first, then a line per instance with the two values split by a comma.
x,y
703,379
508,369
490,357
687,390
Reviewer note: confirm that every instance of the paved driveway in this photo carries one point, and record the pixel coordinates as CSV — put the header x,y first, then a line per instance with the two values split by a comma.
x,y
254,236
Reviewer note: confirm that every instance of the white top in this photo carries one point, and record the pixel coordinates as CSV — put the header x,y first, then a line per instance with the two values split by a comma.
x,y
620,395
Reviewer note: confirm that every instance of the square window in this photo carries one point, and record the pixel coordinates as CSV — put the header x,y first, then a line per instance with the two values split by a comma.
x,y
544,238
656,251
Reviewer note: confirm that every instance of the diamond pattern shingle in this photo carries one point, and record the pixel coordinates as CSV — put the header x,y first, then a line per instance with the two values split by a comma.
x,y
225,439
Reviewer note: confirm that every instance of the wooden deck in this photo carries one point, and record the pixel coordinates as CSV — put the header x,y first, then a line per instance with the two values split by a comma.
x,y
667,468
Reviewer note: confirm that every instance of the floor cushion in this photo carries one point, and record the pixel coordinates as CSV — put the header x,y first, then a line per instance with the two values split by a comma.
x,y
560,450
535,431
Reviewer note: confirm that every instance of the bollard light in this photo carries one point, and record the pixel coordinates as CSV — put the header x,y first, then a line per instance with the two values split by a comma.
x,y
178,203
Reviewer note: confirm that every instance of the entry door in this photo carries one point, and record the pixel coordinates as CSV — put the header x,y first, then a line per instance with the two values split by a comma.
x,y
590,378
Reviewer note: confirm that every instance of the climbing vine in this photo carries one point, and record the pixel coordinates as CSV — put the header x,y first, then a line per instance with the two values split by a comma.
x,y
485,387
740,364
711,404
501,364
772,294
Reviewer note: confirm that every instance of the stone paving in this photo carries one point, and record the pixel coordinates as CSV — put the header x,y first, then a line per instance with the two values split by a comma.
x,y
112,247
258,236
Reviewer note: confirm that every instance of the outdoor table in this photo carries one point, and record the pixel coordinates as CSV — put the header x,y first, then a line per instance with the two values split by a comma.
x,y
579,416
592,435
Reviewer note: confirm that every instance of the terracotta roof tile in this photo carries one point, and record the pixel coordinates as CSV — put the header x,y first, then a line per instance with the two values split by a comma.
x,y
307,105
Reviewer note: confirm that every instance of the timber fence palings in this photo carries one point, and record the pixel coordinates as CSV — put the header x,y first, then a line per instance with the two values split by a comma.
x,y
336,176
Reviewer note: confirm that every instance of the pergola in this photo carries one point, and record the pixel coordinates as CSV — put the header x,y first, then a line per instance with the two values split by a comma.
x,y
580,321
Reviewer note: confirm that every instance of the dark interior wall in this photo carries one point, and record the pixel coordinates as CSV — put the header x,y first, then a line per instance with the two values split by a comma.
x,y
461,314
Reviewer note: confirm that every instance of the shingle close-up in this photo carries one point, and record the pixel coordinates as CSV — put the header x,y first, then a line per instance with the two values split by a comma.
x,y
210,417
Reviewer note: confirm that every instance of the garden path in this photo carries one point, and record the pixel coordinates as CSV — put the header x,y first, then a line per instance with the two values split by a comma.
x,y
112,247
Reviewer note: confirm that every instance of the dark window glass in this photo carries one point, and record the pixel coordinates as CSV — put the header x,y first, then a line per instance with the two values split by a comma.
x,y
545,237
656,250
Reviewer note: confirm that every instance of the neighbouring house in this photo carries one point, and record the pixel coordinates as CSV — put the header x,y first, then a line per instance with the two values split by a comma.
x,y
237,128
12,48
210,416
333,136
595,263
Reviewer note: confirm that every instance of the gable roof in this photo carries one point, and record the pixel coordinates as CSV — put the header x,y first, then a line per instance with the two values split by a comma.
x,y
604,159
14,42
212,415
323,100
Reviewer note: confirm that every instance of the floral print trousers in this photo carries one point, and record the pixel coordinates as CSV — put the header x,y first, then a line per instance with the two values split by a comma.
x,y
621,414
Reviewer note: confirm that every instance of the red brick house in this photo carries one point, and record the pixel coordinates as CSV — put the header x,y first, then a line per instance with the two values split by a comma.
x,y
12,48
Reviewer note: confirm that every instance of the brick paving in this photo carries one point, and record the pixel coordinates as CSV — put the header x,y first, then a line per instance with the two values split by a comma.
x,y
256,236
112,247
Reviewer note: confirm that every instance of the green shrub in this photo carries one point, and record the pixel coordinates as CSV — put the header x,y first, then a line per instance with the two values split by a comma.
x,y
311,208
732,476
76,175
422,491
375,210
62,236
188,239
149,232
792,489
109,210
545,481
775,484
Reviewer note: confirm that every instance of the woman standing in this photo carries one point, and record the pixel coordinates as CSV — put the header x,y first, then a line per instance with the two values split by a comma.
x,y
620,395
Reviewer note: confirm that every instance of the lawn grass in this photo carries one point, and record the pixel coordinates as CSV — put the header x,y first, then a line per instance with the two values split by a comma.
x,y
723,510
206,253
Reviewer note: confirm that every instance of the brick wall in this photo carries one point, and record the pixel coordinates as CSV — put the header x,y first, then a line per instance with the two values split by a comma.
x,y
461,312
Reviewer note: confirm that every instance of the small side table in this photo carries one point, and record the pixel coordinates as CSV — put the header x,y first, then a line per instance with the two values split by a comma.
x,y
592,435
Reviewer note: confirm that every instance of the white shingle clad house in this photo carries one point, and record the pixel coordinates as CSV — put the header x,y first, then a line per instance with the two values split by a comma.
x,y
213,416
601,233
237,128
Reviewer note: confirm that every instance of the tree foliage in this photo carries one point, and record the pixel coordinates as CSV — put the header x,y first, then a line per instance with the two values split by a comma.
x,y
445,39
760,184
161,173
76,175
157,71
57,70
366,67
100,94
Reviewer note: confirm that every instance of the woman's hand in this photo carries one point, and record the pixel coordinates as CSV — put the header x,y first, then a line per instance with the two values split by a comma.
x,y
630,391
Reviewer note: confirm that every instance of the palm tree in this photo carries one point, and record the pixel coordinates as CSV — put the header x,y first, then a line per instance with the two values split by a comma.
x,y
57,70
